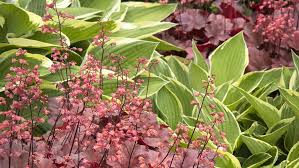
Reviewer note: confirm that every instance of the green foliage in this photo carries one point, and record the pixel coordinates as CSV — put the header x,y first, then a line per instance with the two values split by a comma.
x,y
261,108
20,22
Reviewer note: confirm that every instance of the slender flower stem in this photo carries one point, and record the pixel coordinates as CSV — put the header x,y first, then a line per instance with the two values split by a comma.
x,y
197,119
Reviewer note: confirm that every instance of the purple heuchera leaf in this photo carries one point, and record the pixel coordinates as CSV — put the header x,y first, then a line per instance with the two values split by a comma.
x,y
191,19
295,40
218,28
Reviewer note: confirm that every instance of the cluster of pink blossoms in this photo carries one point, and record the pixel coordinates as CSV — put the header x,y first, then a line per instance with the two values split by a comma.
x,y
24,109
90,129
276,22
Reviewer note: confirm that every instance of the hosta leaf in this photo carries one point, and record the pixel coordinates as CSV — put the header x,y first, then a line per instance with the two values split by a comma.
x,y
266,111
230,125
294,153
296,61
26,43
76,4
80,12
229,60
199,58
256,146
271,76
184,95
37,7
62,3
281,165
227,160
256,160
121,14
286,75
2,21
49,89
276,131
151,86
293,164
163,45
60,77
222,91
294,82
107,6
195,76
141,30
170,106
292,98
148,12
18,21
130,48
32,59
78,30
248,82
162,68
292,136
179,69
48,38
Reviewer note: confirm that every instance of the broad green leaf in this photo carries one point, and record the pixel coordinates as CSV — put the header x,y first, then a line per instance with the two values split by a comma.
x,y
163,45
272,75
266,111
32,59
282,164
227,160
80,13
26,43
294,153
248,82
229,126
286,75
292,136
179,69
2,21
276,132
196,76
107,6
256,146
37,7
48,38
141,30
148,12
76,4
294,82
293,164
295,61
222,91
261,93
190,121
48,88
3,30
62,3
132,49
183,94
78,30
120,16
162,68
229,60
199,58
170,106
151,86
59,77
18,21
292,98
256,160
